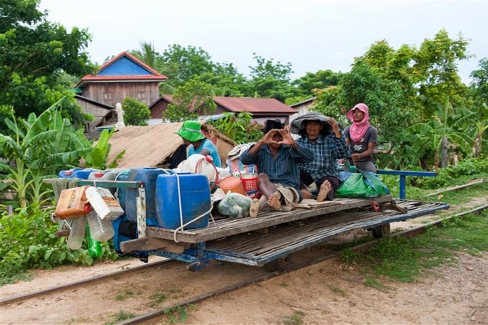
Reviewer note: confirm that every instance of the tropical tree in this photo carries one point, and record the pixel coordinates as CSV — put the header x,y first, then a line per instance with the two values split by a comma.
x,y
148,55
436,68
189,101
271,80
181,64
479,86
443,133
35,53
312,81
38,147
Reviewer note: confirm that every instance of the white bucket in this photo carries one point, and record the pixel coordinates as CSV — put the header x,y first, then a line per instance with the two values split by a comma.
x,y
104,203
197,164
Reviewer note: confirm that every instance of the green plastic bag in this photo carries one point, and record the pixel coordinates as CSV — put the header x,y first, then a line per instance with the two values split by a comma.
x,y
362,185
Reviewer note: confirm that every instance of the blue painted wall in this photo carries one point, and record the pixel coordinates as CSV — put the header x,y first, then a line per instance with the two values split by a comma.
x,y
124,67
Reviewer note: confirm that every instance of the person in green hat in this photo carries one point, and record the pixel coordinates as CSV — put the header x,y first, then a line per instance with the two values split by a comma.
x,y
193,137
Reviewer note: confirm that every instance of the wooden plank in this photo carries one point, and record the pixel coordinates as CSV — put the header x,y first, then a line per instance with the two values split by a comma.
x,y
229,227
149,244
291,237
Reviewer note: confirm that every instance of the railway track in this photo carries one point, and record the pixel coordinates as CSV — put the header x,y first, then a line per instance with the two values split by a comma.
x,y
146,318
157,271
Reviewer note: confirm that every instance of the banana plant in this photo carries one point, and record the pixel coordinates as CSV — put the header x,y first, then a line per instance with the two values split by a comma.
x,y
448,126
39,146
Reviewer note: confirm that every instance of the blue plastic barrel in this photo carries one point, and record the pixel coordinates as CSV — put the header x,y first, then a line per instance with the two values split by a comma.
x,y
120,193
149,177
195,200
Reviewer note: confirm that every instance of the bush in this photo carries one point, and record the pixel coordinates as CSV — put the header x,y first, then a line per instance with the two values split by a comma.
x,y
27,240
135,112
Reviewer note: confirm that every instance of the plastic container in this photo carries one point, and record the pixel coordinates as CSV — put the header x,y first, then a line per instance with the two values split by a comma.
x,y
72,203
77,233
94,247
121,192
76,173
101,230
250,183
232,184
103,202
149,177
195,200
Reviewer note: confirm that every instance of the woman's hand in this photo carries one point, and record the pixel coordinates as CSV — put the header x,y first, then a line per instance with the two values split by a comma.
x,y
335,127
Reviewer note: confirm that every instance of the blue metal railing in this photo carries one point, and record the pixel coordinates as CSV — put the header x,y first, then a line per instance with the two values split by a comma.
x,y
403,174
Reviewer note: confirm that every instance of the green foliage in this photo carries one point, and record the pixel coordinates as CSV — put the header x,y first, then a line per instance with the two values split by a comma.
x,y
28,240
38,147
455,175
239,127
403,259
97,158
181,64
479,87
271,80
318,80
179,314
189,101
148,55
34,54
135,112
119,317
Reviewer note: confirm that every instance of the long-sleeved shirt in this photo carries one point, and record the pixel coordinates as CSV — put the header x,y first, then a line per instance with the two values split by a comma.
x,y
282,169
326,150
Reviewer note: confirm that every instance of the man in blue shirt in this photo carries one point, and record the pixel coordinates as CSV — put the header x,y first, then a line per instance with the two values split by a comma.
x,y
192,135
277,157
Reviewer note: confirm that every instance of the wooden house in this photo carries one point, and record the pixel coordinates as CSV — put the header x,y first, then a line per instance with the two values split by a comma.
x,y
261,109
121,77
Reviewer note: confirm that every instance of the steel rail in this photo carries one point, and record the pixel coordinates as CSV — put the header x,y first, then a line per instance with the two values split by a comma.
x,y
30,295
140,319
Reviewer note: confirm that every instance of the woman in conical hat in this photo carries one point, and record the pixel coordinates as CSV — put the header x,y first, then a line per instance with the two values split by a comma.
x,y
323,136
361,138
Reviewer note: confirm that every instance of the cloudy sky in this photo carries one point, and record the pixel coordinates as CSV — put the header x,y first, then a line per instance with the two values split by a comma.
x,y
312,35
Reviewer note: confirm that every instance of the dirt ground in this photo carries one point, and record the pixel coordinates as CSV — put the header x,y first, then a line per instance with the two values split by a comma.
x,y
326,293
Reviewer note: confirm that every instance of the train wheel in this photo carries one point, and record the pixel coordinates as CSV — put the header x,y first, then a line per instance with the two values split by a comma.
x,y
279,264
381,231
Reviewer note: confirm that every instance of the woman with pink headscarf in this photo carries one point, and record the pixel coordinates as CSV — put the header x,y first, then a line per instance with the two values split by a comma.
x,y
361,138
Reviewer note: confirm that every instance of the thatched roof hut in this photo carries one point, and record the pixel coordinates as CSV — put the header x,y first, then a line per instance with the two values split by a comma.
x,y
153,146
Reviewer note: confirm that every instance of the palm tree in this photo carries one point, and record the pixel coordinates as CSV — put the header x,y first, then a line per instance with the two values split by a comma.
x,y
148,55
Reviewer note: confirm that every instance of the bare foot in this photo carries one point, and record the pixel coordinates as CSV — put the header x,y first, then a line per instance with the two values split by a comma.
x,y
274,201
306,194
254,210
324,190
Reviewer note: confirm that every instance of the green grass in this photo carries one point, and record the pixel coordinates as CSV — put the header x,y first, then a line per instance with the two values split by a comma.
x,y
118,317
294,319
403,259
121,296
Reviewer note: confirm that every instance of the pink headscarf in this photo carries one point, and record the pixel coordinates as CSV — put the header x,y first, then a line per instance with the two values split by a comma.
x,y
358,129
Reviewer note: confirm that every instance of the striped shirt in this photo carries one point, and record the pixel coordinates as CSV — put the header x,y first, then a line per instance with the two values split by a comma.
x,y
282,169
326,150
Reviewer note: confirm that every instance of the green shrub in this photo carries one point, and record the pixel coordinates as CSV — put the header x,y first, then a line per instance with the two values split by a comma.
x,y
27,240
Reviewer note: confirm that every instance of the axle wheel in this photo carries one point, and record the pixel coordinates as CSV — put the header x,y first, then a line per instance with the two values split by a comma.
x,y
381,231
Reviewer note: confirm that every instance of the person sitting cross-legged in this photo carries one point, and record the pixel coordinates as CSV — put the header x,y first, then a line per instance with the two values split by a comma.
x,y
277,157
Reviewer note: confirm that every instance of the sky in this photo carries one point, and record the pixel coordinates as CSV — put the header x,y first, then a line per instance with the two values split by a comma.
x,y
311,35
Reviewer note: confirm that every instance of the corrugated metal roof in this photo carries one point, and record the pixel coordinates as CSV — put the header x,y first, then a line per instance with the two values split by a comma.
x,y
254,105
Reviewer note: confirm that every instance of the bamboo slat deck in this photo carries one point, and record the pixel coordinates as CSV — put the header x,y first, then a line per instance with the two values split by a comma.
x,y
229,227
